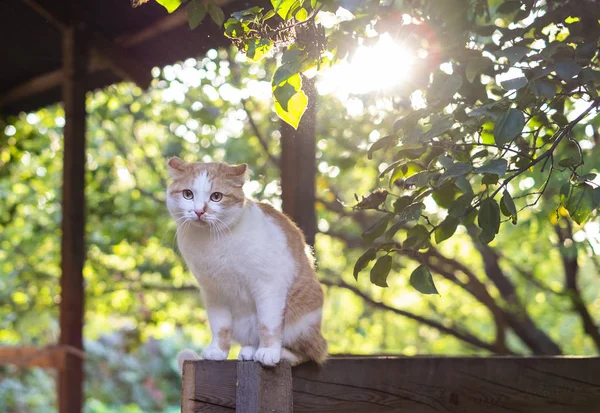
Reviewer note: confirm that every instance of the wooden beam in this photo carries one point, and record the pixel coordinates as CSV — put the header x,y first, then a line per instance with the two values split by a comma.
x,y
52,357
75,54
298,167
98,62
123,65
411,384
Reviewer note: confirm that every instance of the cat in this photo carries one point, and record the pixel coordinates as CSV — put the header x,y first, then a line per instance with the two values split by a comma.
x,y
255,271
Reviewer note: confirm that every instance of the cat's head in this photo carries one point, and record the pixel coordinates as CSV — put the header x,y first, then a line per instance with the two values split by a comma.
x,y
208,194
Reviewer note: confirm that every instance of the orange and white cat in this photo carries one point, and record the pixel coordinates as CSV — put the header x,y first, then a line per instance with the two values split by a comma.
x,y
255,271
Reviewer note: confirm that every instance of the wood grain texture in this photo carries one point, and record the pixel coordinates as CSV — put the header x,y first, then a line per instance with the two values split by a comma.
x,y
262,390
411,384
438,384
209,386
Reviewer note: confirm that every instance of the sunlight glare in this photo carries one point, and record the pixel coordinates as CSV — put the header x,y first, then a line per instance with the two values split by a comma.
x,y
375,68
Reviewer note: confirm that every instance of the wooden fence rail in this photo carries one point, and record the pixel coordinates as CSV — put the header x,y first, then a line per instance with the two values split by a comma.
x,y
399,384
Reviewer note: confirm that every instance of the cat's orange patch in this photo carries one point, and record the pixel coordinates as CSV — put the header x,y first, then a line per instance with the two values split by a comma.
x,y
225,339
306,293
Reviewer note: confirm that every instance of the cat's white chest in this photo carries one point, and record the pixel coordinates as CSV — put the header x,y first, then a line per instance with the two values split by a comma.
x,y
254,251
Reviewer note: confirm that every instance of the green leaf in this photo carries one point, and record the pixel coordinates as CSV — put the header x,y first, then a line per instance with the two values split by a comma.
x,y
444,86
456,170
514,54
301,14
285,71
376,230
565,190
459,207
196,11
257,48
283,94
216,14
401,203
568,162
290,100
509,126
422,281
296,106
497,167
170,5
507,206
543,89
509,7
380,271
363,261
384,143
567,70
269,14
417,238
514,84
411,212
446,229
463,184
420,179
489,179
488,220
284,8
580,202
477,66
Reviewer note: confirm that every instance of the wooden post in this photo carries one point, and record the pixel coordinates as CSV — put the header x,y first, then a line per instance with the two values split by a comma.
x,y
262,390
70,382
298,167
245,386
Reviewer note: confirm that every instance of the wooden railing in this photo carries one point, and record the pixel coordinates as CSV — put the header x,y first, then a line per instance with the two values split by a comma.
x,y
398,384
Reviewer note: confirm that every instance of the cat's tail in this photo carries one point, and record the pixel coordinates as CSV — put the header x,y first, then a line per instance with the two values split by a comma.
x,y
183,355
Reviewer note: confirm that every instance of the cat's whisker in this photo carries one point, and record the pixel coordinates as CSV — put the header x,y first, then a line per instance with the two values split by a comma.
x,y
181,227
171,224
224,224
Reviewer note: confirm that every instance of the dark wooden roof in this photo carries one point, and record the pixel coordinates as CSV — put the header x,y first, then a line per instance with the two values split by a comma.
x,y
126,43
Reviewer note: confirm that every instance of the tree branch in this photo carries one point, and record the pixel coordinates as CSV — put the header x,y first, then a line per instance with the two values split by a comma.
x,y
571,267
454,331
537,340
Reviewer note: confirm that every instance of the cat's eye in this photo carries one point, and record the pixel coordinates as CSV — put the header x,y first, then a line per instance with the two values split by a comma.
x,y
187,194
216,196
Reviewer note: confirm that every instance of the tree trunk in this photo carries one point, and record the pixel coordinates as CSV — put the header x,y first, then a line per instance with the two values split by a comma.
x,y
298,168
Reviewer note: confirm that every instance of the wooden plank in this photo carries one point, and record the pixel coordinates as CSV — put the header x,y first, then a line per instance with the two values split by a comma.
x,y
407,384
70,383
438,384
263,389
209,386
52,357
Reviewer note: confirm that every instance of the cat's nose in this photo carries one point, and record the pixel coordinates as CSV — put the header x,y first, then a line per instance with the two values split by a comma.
x,y
199,213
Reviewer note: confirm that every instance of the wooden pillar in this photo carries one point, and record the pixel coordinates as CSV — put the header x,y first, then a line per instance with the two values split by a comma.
x,y
298,167
232,386
263,389
75,56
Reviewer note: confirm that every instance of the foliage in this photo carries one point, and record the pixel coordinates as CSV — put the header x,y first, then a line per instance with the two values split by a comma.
x,y
505,85
119,378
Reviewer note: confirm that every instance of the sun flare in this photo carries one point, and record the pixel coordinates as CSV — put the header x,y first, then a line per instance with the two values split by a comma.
x,y
374,68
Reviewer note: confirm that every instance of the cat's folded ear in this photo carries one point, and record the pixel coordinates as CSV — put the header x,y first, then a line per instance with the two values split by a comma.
x,y
238,173
176,167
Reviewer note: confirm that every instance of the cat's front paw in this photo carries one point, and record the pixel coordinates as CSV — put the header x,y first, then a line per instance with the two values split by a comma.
x,y
246,353
268,356
213,353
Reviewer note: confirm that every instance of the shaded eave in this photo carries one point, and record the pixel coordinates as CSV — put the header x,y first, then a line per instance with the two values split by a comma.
x,y
125,44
